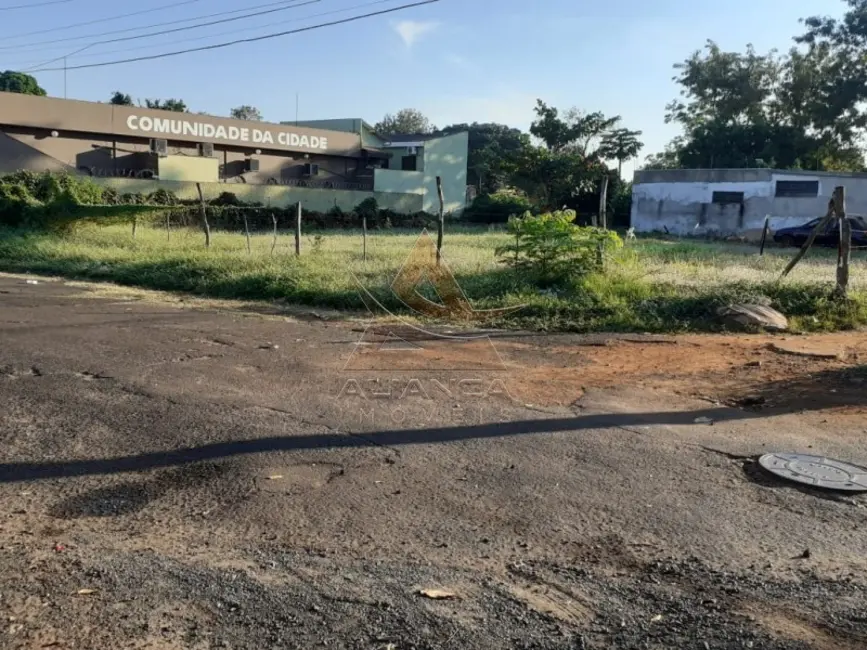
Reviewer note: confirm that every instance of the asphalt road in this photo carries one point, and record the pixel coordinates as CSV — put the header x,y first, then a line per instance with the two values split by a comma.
x,y
192,477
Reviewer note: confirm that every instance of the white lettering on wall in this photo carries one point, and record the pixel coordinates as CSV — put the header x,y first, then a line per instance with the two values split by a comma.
x,y
162,125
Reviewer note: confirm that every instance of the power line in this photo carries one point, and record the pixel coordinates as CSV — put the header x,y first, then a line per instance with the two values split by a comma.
x,y
242,40
29,65
38,4
162,24
101,20
183,29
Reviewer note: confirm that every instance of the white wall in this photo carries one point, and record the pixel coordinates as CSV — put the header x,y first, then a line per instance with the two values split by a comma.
x,y
686,208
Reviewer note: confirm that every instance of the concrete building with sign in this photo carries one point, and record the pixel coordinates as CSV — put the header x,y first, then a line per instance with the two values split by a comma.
x,y
724,202
322,164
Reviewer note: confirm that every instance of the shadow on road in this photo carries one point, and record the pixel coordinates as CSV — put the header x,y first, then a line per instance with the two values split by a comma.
x,y
28,471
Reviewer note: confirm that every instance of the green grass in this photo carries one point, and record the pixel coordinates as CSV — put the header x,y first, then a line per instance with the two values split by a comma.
x,y
651,285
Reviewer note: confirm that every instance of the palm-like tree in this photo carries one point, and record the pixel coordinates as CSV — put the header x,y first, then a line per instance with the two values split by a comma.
x,y
620,145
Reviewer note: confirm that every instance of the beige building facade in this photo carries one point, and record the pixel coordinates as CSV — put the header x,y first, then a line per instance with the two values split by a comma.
x,y
139,148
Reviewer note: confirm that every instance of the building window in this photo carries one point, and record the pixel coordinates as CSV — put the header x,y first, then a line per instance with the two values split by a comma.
x,y
797,189
727,197
409,163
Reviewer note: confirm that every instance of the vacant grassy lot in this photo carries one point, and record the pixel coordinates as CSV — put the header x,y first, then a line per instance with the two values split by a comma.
x,y
651,285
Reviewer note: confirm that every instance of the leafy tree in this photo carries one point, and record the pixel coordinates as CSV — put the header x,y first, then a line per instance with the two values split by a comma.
x,y
493,151
120,99
176,105
406,122
798,110
575,129
19,82
246,112
620,145
554,179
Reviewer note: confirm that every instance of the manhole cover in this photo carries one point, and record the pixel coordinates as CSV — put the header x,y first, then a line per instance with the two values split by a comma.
x,y
817,471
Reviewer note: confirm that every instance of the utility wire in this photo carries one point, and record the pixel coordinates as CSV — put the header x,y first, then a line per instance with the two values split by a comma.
x,y
31,64
180,29
38,44
99,20
38,4
242,40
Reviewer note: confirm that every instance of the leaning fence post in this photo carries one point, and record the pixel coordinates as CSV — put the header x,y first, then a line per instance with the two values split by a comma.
x,y
168,227
298,230
134,224
364,238
274,243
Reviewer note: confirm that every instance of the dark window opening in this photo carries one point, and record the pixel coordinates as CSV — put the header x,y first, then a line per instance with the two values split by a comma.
x,y
409,163
798,189
727,197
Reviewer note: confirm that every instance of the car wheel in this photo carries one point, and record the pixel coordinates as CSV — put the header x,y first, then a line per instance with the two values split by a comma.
x,y
787,240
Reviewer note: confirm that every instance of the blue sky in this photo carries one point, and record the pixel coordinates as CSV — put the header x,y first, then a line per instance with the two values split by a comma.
x,y
456,60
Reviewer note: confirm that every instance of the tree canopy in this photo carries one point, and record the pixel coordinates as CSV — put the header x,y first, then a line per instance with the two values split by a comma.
x,y
405,122
804,109
246,112
19,82
120,99
176,105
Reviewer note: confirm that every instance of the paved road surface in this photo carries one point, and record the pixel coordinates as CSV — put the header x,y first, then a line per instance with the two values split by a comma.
x,y
175,477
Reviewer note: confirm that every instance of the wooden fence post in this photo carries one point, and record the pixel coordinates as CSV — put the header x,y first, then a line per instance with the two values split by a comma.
x,y
203,213
247,232
603,203
274,243
765,234
844,249
364,238
298,230
441,222
168,227
134,224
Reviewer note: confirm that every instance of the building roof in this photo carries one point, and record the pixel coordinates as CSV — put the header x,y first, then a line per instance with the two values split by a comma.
x,y
401,138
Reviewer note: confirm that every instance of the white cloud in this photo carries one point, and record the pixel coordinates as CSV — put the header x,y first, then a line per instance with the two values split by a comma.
x,y
410,31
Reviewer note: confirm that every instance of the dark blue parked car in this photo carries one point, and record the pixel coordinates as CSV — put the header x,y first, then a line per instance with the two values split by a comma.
x,y
798,235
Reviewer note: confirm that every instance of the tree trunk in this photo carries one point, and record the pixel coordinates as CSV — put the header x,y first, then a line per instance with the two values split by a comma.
x,y
603,203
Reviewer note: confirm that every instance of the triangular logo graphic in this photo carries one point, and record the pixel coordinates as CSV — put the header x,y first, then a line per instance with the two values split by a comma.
x,y
421,278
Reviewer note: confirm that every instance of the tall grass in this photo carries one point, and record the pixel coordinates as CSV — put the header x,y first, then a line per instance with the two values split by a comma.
x,y
651,285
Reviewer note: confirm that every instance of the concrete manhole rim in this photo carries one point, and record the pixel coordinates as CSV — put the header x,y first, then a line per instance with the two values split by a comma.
x,y
816,471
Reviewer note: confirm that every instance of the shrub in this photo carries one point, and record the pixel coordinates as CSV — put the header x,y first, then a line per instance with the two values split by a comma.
x,y
552,249
163,197
367,208
497,207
